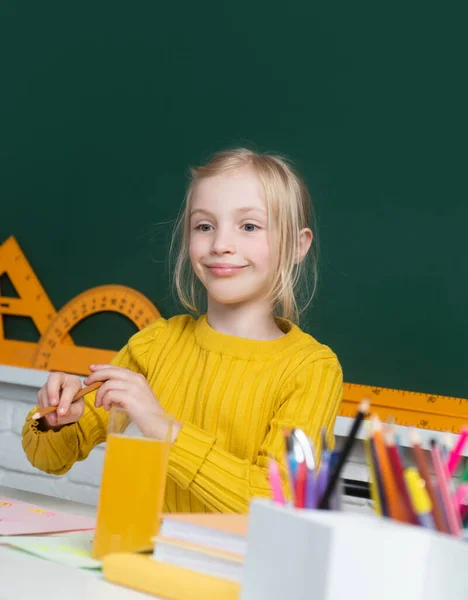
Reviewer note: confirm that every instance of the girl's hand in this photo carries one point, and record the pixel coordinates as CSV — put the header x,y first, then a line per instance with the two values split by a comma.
x,y
131,392
59,390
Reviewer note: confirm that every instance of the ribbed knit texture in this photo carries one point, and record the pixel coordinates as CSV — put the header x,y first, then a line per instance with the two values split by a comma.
x,y
233,396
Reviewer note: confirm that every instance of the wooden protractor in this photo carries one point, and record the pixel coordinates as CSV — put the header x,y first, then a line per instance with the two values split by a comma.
x,y
53,355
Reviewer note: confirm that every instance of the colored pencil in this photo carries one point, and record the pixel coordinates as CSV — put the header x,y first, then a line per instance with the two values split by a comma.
x,y
324,440
378,477
335,499
291,456
274,477
465,474
375,493
303,449
464,514
324,473
419,498
291,463
461,499
455,455
391,425
398,474
311,490
301,483
363,409
421,463
395,508
50,409
443,478
306,458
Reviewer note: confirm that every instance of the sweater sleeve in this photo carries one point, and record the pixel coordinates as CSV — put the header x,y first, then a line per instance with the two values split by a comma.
x,y
55,452
226,483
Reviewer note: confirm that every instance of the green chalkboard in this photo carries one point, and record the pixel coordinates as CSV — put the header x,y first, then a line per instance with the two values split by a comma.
x,y
105,104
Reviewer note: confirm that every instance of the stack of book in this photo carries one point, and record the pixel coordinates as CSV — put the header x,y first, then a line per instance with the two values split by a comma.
x,y
195,556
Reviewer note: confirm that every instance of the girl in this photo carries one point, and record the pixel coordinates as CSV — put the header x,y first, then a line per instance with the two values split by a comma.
x,y
234,378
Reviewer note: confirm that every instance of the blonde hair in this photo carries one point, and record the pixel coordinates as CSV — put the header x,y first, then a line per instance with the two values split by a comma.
x,y
289,208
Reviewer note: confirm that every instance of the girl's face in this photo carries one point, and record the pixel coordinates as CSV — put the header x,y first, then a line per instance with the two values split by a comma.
x,y
230,245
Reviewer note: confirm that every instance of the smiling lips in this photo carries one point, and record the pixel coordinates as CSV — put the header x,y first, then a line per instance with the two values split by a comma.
x,y
224,269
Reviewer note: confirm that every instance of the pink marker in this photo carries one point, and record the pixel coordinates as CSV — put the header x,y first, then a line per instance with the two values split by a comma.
x,y
274,477
456,455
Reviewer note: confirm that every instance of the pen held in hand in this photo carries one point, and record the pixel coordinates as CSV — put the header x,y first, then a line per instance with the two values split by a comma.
x,y
50,409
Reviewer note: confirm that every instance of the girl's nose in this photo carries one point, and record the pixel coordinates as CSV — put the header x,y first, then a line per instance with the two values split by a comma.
x,y
223,243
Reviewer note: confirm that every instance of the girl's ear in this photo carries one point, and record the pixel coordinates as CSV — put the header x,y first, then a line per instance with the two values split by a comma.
x,y
305,240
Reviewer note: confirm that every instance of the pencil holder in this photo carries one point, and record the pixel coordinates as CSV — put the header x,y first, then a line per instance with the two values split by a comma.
x,y
326,555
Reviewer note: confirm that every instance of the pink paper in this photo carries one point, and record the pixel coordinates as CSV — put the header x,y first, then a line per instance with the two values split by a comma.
x,y
22,518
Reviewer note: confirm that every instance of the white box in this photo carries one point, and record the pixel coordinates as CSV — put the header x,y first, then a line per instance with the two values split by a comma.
x,y
324,555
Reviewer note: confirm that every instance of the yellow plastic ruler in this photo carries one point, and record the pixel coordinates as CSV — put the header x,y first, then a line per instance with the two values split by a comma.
x,y
427,411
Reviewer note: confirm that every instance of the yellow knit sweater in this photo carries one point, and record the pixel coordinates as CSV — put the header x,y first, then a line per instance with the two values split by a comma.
x,y
233,396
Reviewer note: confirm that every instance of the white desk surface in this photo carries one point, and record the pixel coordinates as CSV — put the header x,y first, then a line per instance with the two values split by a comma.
x,y
25,577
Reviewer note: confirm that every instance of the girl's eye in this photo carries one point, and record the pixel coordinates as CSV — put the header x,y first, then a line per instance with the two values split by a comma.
x,y
250,227
204,227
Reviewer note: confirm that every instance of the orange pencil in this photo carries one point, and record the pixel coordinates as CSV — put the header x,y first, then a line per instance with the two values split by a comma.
x,y
50,409
395,508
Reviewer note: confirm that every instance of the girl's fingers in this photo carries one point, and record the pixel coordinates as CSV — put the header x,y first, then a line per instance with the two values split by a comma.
x,y
111,384
68,393
53,387
118,397
74,414
52,419
42,401
99,367
105,372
